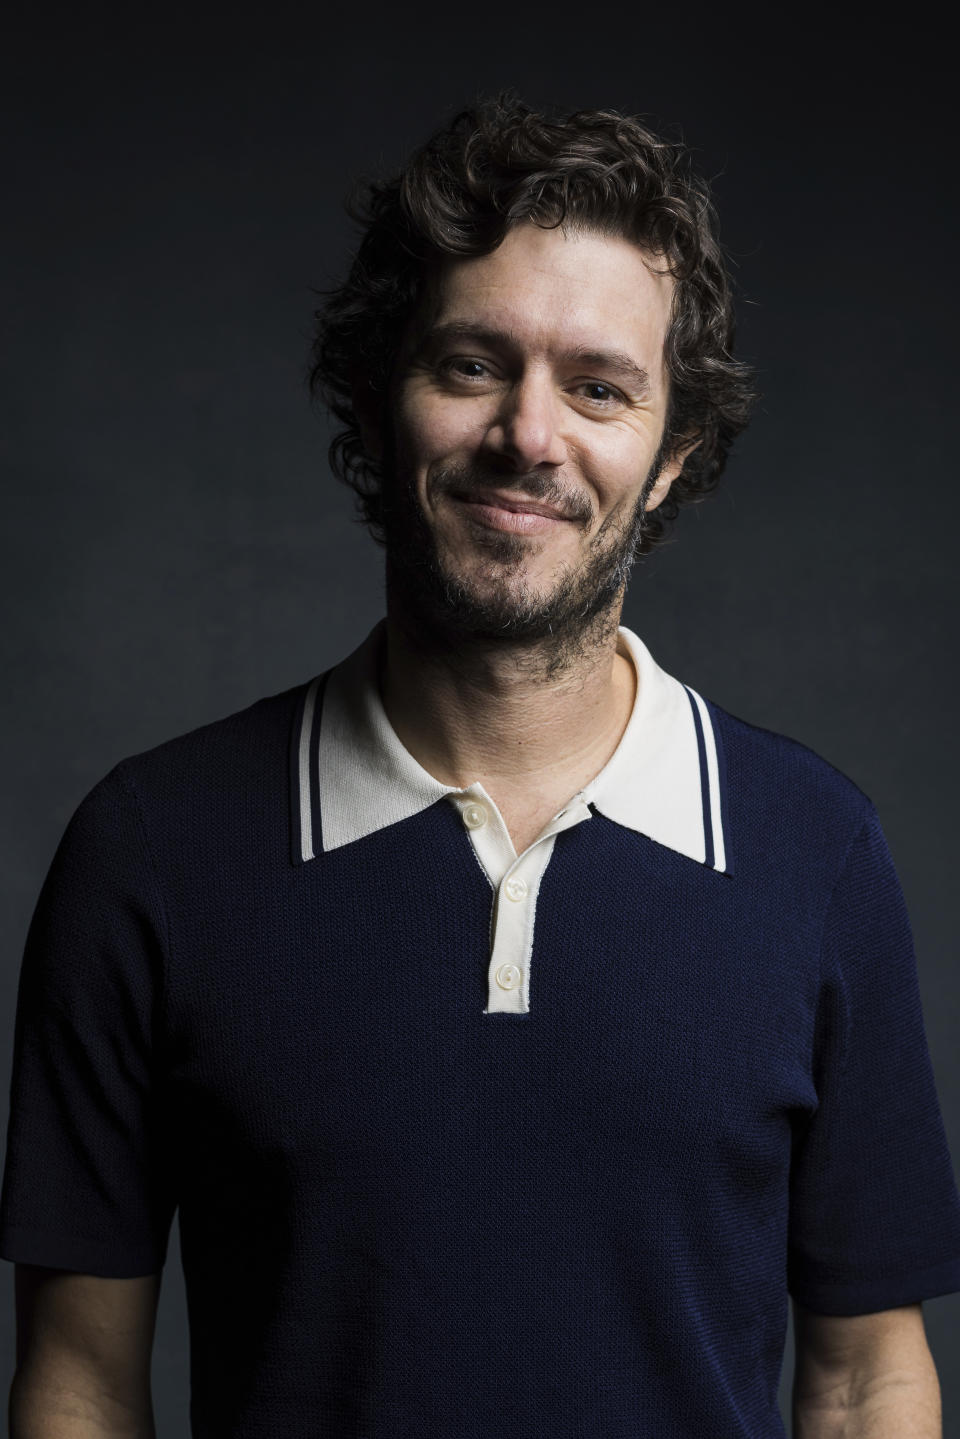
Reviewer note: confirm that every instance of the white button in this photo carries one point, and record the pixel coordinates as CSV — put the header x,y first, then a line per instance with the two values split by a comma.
x,y
474,815
508,976
516,888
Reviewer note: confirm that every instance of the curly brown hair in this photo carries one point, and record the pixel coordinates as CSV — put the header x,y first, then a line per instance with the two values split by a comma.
x,y
492,166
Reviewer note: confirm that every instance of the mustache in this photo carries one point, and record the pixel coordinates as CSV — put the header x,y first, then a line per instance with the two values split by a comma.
x,y
466,480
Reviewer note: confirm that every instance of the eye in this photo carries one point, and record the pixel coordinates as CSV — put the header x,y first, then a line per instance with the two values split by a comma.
x,y
607,394
461,367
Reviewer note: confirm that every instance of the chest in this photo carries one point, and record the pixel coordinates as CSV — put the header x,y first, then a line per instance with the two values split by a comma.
x,y
337,1025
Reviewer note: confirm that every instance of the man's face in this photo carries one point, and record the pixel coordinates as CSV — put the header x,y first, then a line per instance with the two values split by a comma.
x,y
526,412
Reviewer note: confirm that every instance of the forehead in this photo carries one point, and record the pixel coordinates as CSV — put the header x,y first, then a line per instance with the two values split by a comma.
x,y
553,290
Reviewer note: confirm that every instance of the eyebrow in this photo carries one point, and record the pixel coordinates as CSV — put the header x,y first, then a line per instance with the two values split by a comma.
x,y
616,361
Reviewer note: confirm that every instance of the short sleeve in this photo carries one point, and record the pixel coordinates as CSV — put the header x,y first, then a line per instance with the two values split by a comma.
x,y
874,1210
87,1185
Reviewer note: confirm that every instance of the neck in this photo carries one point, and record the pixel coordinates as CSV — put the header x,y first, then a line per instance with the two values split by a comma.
x,y
521,718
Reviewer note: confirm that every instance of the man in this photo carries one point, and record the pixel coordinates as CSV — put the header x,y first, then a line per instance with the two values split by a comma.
x,y
514,1029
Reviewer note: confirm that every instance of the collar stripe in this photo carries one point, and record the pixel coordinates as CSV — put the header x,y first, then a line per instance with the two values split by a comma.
x,y
713,827
722,809
704,781
293,772
305,782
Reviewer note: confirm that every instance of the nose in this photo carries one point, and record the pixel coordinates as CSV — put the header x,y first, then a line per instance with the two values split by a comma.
x,y
526,428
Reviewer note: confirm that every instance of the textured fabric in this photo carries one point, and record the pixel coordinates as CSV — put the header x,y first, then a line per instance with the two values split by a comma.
x,y
402,1216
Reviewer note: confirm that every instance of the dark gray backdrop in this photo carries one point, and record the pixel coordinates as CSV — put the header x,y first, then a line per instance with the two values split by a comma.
x,y
173,546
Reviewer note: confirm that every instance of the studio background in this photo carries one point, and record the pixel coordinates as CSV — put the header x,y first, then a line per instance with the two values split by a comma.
x,y
173,546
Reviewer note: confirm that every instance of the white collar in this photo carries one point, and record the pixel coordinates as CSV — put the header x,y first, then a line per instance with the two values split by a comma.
x,y
665,779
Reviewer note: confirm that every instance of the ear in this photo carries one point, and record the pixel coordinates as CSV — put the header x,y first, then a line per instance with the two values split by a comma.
x,y
670,472
367,406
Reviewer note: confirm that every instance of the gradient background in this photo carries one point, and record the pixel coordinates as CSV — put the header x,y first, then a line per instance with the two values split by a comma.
x,y
173,546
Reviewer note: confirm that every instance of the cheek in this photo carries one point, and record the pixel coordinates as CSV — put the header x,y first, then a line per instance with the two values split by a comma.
x,y
616,463
430,429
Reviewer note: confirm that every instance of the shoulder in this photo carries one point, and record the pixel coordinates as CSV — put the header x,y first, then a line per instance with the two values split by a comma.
x,y
782,795
243,742
218,776
765,755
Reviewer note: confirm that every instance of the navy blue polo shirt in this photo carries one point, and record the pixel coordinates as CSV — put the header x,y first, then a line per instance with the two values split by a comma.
x,y
465,1143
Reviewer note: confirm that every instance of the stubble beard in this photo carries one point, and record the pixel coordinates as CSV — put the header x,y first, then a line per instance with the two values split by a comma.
x,y
492,603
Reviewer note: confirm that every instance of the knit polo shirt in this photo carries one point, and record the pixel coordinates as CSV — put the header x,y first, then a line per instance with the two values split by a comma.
x,y
463,1143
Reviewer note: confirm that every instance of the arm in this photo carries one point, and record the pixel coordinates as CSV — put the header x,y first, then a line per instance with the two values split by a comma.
x,y
864,1376
84,1346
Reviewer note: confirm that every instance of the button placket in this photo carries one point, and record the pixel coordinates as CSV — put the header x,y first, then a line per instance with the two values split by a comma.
x,y
509,968
515,880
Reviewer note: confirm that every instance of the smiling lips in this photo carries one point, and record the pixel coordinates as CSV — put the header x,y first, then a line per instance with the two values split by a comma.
x,y
515,513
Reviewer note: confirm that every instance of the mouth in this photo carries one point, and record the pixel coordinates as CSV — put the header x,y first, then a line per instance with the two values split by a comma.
x,y
511,512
